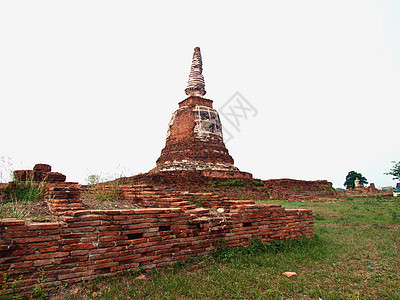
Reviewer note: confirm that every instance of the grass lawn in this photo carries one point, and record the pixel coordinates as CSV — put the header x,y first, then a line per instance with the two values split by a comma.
x,y
355,255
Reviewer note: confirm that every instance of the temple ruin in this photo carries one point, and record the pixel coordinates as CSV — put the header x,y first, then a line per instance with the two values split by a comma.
x,y
172,222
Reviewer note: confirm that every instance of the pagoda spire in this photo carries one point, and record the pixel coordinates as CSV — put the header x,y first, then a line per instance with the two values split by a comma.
x,y
196,80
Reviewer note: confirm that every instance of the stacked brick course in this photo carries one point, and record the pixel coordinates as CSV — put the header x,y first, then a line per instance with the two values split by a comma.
x,y
40,172
91,243
62,197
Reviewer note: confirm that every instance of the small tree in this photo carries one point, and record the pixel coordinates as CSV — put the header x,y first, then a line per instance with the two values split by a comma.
x,y
93,179
351,178
395,171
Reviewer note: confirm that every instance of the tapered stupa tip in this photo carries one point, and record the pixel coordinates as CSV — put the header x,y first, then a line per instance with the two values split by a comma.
x,y
196,80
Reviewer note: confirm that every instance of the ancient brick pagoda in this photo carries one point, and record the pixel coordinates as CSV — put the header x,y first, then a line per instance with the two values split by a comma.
x,y
194,138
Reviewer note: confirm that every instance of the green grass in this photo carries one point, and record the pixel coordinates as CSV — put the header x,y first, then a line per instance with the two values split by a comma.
x,y
355,255
355,211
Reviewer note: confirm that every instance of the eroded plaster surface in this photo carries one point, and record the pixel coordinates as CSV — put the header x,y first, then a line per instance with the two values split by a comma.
x,y
171,122
207,122
196,165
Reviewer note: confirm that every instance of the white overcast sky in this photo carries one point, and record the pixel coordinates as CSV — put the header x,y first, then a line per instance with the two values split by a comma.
x,y
89,86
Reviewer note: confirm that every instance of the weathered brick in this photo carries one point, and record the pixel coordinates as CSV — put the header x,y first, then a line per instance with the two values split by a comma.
x,y
120,217
147,258
16,234
126,257
86,240
25,264
47,255
111,238
50,249
90,218
106,244
73,247
23,252
43,226
69,275
108,233
109,227
12,222
18,228
79,252
84,224
70,241
103,265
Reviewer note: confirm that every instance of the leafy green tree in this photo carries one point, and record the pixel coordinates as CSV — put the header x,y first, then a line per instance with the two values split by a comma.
x,y
395,171
351,178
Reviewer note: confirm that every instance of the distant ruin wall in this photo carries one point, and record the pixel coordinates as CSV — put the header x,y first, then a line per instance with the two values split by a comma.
x,y
369,191
290,188
92,243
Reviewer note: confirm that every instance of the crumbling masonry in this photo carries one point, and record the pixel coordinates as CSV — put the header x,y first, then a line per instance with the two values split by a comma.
x,y
86,243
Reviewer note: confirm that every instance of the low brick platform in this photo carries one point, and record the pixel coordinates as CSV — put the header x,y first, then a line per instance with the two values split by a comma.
x,y
91,243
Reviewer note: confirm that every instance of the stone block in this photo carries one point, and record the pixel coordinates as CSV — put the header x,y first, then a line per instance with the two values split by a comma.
x,y
42,168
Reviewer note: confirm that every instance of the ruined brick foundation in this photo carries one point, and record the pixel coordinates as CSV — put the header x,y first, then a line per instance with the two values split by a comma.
x,y
86,244
299,190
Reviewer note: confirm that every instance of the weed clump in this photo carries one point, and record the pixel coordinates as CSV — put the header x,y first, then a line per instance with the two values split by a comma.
x,y
102,191
23,191
38,290
17,196
8,291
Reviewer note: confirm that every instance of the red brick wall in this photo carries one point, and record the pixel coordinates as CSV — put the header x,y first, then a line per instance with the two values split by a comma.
x,y
91,243
290,189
